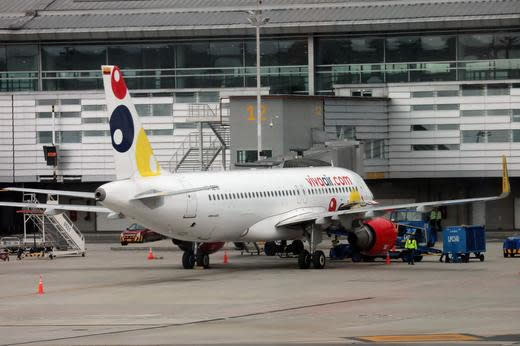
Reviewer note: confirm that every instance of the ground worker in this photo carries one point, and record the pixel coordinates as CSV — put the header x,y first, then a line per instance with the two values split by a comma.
x,y
435,225
410,246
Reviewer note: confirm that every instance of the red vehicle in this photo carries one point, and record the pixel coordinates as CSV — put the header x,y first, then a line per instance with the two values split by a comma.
x,y
139,234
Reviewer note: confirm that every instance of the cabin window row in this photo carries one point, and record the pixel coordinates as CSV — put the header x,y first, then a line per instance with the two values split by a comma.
x,y
282,193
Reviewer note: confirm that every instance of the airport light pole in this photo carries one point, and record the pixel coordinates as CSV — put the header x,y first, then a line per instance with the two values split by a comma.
x,y
257,20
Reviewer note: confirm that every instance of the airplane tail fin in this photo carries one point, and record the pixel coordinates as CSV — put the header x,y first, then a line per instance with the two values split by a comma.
x,y
133,153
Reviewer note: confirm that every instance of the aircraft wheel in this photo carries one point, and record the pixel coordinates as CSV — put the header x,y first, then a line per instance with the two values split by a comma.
x,y
418,258
318,260
188,260
304,260
203,261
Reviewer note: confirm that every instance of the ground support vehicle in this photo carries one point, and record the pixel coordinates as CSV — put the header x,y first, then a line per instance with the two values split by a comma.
x,y
139,234
512,246
459,242
11,244
424,241
425,236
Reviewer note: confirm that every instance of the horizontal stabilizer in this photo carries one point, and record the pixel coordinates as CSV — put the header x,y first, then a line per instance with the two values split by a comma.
x,y
85,208
79,194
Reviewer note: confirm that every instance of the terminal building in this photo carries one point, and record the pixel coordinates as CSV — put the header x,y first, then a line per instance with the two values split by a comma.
x,y
429,91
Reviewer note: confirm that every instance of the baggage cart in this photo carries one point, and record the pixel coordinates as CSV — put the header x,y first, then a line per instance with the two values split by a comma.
x,y
460,242
511,246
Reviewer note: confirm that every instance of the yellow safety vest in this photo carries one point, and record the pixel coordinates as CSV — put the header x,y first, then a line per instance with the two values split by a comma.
x,y
410,244
435,215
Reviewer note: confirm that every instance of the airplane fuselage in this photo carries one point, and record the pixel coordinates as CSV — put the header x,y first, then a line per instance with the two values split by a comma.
x,y
240,200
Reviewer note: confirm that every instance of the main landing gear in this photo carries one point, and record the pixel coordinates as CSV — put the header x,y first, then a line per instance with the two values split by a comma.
x,y
314,257
193,256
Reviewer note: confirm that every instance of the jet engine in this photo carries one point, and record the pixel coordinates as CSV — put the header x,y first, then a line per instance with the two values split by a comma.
x,y
374,237
204,248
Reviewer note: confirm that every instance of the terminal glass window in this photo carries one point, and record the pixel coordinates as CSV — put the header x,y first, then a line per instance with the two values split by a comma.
x,y
423,147
423,94
46,137
447,107
3,59
448,147
516,136
482,46
472,113
332,51
345,132
22,58
497,89
516,115
148,56
420,48
20,64
472,90
80,57
423,127
447,93
244,156
445,127
70,136
486,136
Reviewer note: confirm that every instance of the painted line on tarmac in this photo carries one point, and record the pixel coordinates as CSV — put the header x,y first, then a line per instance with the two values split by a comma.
x,y
419,338
301,307
162,326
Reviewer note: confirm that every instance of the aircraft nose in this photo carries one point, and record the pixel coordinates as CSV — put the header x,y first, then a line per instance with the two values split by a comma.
x,y
100,194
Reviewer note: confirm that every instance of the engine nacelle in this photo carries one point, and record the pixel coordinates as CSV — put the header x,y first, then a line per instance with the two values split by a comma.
x,y
204,248
375,237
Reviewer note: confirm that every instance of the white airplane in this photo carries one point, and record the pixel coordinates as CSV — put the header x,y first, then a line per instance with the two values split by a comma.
x,y
209,208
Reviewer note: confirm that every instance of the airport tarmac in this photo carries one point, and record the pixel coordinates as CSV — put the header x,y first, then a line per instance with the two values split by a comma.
x,y
121,298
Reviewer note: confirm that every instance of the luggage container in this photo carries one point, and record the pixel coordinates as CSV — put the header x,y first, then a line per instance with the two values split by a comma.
x,y
459,242
511,246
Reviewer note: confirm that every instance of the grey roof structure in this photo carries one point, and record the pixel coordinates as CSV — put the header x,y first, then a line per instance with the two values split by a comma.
x,y
120,19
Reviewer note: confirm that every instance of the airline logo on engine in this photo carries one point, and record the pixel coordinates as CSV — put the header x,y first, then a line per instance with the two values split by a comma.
x,y
329,181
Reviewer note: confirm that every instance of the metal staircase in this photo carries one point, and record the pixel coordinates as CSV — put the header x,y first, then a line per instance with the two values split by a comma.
x,y
66,238
201,149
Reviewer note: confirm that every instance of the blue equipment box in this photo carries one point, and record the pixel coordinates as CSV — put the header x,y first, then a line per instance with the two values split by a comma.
x,y
464,239
511,246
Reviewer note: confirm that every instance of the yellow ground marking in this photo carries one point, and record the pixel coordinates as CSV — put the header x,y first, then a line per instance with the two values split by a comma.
x,y
419,338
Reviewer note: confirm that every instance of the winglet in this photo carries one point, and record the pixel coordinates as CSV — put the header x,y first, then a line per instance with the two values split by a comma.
x,y
505,178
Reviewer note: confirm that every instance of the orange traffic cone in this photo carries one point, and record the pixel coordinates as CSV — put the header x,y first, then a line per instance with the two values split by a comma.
x,y
150,255
225,257
40,286
387,261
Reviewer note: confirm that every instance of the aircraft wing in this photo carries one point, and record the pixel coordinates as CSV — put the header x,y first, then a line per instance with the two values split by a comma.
x,y
370,211
80,194
85,208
